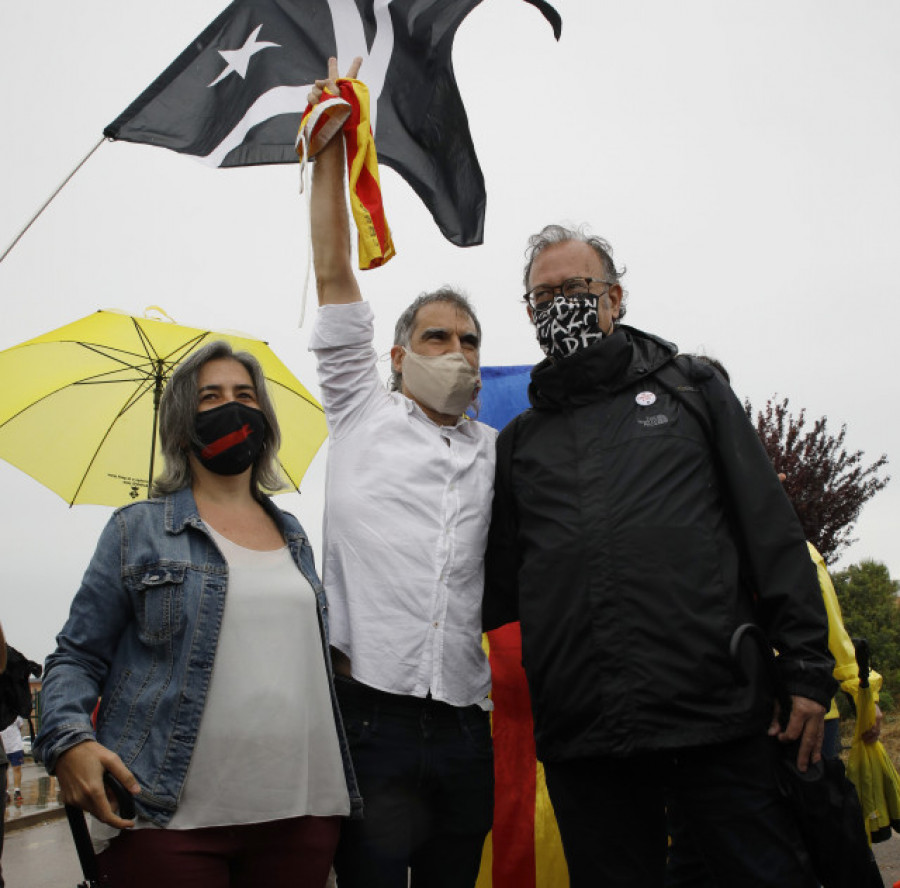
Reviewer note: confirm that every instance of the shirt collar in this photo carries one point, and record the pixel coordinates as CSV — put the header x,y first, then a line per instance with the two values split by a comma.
x,y
463,424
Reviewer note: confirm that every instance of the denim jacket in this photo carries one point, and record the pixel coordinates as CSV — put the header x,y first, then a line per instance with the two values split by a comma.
x,y
142,635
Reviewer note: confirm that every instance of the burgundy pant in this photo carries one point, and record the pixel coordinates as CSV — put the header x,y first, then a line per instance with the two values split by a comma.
x,y
281,853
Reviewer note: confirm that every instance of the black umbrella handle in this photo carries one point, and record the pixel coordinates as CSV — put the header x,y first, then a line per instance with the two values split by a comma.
x,y
83,846
81,835
863,654
755,634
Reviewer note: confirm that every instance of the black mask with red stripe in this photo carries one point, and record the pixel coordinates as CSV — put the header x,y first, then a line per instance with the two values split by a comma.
x,y
231,437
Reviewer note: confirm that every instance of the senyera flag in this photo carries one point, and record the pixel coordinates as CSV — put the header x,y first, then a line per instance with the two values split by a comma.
x,y
235,96
348,113
524,849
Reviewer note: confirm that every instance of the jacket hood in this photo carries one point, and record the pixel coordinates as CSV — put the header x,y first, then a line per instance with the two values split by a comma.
x,y
613,363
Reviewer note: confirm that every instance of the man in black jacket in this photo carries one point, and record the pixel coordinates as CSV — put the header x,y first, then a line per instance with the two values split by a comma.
x,y
637,523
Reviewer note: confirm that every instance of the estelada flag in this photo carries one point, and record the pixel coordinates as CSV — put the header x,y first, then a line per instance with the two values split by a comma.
x,y
349,113
235,96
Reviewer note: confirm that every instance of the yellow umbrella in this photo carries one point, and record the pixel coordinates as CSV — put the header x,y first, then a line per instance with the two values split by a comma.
x,y
78,408
869,766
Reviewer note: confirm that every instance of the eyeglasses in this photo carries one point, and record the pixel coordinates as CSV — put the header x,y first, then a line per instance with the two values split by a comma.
x,y
541,297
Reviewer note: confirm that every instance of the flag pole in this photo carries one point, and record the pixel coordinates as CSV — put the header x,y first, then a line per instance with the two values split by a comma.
x,y
65,182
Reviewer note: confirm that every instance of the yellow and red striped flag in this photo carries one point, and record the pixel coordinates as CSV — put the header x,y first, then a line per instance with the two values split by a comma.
x,y
350,113
524,849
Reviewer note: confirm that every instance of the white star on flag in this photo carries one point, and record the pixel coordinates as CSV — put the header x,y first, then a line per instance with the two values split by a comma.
x,y
239,59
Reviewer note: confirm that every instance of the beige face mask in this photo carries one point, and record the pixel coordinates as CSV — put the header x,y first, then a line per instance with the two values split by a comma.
x,y
444,383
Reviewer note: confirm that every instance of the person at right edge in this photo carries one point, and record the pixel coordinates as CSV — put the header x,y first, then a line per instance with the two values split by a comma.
x,y
685,867
622,523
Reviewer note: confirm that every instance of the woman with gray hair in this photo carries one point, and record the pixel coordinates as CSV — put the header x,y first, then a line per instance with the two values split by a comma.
x,y
201,626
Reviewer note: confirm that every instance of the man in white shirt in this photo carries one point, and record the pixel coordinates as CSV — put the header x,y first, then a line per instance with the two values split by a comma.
x,y
408,496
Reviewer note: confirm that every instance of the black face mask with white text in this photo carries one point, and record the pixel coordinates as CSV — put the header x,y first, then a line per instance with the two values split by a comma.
x,y
567,327
231,437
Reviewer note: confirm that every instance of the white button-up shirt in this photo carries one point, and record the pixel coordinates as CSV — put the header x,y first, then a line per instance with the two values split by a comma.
x,y
407,508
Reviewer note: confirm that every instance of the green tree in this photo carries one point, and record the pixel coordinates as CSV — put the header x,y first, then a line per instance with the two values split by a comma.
x,y
826,485
869,604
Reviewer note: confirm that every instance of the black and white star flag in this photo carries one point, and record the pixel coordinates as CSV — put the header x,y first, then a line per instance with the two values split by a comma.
x,y
235,96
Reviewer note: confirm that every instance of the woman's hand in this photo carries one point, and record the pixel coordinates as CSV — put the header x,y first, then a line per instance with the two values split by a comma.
x,y
80,774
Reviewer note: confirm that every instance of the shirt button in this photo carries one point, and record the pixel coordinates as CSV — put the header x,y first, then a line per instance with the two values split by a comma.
x,y
436,624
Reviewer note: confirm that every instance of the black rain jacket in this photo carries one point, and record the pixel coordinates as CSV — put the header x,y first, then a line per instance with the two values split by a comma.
x,y
637,521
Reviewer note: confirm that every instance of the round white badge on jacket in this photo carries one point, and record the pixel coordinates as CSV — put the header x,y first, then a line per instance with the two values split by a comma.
x,y
645,399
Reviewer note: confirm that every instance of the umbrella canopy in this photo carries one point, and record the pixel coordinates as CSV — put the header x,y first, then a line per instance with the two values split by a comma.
x,y
868,764
78,411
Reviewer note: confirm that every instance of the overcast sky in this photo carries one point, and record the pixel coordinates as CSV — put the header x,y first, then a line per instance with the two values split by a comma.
x,y
741,157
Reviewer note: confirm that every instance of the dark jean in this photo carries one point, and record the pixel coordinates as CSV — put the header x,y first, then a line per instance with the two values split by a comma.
x,y
612,817
426,773
686,866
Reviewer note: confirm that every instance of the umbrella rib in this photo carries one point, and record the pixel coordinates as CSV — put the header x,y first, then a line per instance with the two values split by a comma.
x,y
289,476
308,398
145,341
185,349
130,402
143,379
100,349
96,380
109,352
144,387
146,383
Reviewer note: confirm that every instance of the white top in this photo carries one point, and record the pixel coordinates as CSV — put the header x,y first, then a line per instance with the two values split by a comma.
x,y
267,747
12,736
407,508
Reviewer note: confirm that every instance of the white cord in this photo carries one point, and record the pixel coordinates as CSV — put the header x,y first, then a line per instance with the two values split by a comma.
x,y
305,187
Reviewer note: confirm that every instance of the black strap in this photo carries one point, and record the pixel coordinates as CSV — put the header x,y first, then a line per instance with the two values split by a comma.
x,y
83,846
82,837
677,379
506,446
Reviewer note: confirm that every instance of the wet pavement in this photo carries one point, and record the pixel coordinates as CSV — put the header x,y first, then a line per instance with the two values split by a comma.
x,y
39,798
41,856
38,851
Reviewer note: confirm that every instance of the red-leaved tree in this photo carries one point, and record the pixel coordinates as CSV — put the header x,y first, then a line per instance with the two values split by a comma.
x,y
827,485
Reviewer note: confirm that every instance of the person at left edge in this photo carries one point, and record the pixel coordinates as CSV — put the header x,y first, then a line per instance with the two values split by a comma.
x,y
4,764
14,748
201,625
